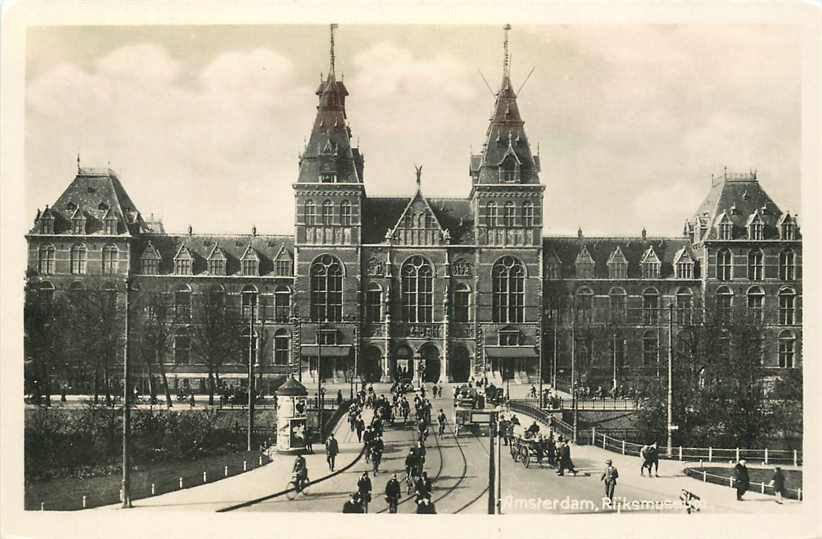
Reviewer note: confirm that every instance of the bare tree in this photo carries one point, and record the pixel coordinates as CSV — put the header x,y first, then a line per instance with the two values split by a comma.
x,y
45,322
156,330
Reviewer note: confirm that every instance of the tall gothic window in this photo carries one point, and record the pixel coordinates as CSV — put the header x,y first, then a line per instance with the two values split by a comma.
x,y
345,213
281,346
326,289
755,265
650,346
756,302
724,303
787,306
508,277
724,265
616,298
787,350
417,290
110,255
585,305
310,213
78,259
787,265
182,346
46,263
684,304
509,216
650,306
182,303
248,301
462,298
528,214
491,217
373,303
328,212
282,303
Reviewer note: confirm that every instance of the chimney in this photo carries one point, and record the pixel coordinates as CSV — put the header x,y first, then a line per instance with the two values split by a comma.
x,y
644,233
189,230
579,233
254,230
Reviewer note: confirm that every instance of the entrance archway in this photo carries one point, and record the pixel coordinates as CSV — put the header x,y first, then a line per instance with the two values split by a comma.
x,y
403,365
370,366
460,364
430,357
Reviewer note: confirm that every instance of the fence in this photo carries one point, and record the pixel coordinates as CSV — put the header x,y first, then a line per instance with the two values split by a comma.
x,y
690,454
107,490
755,486
556,403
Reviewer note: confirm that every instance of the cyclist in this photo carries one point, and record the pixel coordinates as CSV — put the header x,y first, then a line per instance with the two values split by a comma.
x,y
412,466
441,419
392,493
300,473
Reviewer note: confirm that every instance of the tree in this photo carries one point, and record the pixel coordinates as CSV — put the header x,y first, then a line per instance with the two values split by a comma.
x,y
46,335
156,330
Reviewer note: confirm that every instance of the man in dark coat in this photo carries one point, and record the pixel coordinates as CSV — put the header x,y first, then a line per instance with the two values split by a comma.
x,y
741,479
364,489
425,506
353,504
360,425
778,483
609,477
565,462
393,491
424,486
332,448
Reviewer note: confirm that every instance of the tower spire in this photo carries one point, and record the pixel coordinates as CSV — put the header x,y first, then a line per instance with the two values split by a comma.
x,y
419,176
506,62
331,69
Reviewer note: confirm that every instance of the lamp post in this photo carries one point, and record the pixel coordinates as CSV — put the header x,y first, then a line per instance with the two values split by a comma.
x,y
251,305
319,385
126,481
554,366
670,386
573,364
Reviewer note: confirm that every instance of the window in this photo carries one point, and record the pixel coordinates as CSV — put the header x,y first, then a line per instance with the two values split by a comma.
x,y
328,178
509,216
110,225
182,347
248,301
787,350
650,346
310,213
326,289
78,259
183,263
788,230
47,224
508,337
345,213
216,266
281,347
584,305
46,260
182,303
584,264
723,265
78,225
417,291
282,303
327,336
755,231
373,303
726,230
552,270
650,306
328,212
787,307
149,266
216,296
491,217
508,276
756,301
528,214
755,265
284,267
251,266
617,265
616,299
683,265
684,304
110,256
650,265
724,303
787,265
462,299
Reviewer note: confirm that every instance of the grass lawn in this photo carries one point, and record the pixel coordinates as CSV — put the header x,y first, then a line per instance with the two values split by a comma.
x,y
66,494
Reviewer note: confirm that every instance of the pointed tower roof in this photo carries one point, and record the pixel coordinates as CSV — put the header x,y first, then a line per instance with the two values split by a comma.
x,y
329,154
505,135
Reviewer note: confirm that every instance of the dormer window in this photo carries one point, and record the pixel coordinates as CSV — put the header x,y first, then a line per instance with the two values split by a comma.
x,y
284,268
78,223
755,231
788,230
650,265
683,265
110,224
217,263
183,262
584,264
726,229
251,267
149,266
47,224
617,265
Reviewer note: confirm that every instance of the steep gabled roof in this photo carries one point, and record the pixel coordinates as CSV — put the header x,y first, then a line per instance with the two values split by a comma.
x,y
649,256
617,256
149,251
381,214
250,253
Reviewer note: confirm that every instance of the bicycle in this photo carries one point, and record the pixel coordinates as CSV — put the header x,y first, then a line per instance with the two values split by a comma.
x,y
296,486
411,476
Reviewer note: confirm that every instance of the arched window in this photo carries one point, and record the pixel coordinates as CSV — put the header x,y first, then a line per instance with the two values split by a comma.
x,y
373,303
787,350
724,265
462,302
78,259
250,342
216,296
282,303
46,262
345,213
787,306
417,290
528,214
650,347
326,289
491,217
328,212
310,213
509,216
248,301
585,305
755,265
508,276
616,299
650,306
756,302
182,346
110,255
787,265
724,303
182,303
281,347
684,304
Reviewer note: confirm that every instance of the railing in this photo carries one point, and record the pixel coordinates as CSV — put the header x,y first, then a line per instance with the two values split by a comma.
x,y
557,403
756,486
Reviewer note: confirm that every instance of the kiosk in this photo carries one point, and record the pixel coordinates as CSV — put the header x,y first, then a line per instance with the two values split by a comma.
x,y
291,415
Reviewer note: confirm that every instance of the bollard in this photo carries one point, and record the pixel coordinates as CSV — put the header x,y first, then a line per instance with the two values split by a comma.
x,y
731,481
181,482
121,495
680,453
205,478
42,506
799,494
153,490
794,457
260,460
763,487
225,471
84,501
245,468
701,464
603,441
623,447
710,454
594,436
704,475
766,455
737,454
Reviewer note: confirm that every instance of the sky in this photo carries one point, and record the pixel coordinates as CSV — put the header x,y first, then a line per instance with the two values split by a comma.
x,y
204,124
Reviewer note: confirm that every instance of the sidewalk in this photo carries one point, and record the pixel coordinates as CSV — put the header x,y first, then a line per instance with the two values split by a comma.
x,y
257,483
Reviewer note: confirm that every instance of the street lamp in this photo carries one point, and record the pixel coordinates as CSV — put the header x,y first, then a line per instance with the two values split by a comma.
x,y
252,303
126,480
670,387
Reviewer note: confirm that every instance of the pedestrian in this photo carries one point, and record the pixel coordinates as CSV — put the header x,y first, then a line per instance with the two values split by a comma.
x,y
307,444
653,459
364,489
393,491
353,504
778,483
565,462
609,477
331,450
360,428
376,454
425,506
741,479
339,398
367,438
643,455
424,485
